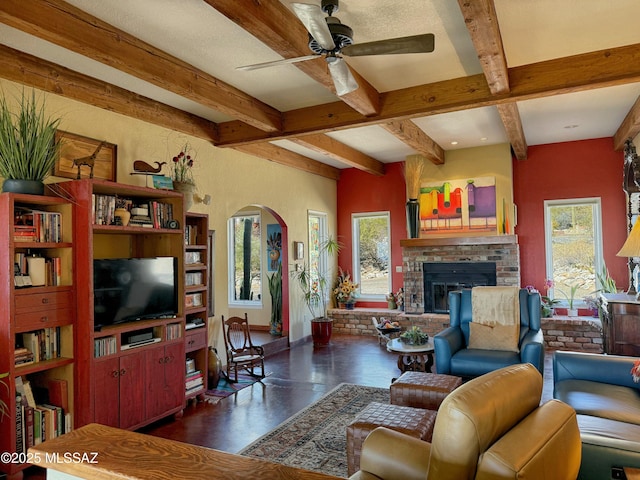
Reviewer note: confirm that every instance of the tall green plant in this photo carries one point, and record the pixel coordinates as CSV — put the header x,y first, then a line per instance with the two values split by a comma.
x,y
28,147
275,289
316,286
607,284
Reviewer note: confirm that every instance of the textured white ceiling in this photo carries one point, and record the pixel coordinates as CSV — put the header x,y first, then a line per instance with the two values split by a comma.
x,y
532,31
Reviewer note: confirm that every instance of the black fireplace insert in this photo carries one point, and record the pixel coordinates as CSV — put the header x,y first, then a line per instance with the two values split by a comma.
x,y
440,278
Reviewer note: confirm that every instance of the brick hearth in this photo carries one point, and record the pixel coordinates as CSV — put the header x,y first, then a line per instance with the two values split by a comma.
x,y
501,249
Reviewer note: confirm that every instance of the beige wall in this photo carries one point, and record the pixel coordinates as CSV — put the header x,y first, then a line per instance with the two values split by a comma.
x,y
234,180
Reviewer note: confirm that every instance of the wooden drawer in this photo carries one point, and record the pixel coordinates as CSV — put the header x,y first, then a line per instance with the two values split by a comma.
x,y
195,340
37,302
51,317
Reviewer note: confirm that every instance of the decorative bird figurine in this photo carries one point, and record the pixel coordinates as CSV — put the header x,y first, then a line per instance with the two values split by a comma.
x,y
143,168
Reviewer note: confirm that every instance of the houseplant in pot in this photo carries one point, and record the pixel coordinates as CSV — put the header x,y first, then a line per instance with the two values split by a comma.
x,y
28,147
316,288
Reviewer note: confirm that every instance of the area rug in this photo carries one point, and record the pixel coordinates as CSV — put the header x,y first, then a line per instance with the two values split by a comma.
x,y
316,437
226,388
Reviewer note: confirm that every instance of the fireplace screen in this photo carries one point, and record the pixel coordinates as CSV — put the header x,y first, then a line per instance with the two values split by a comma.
x,y
441,278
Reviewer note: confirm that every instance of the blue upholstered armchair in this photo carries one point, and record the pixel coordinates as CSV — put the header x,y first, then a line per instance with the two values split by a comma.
x,y
453,357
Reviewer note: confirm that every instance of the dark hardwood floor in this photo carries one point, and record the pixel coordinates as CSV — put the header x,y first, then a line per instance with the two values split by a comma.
x,y
297,377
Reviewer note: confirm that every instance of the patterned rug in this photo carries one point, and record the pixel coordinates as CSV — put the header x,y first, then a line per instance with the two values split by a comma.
x,y
226,388
315,438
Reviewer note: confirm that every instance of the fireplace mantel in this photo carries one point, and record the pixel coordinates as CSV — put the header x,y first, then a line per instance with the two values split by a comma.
x,y
479,240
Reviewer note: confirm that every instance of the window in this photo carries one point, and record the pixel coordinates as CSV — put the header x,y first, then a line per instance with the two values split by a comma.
x,y
573,243
245,254
317,235
372,254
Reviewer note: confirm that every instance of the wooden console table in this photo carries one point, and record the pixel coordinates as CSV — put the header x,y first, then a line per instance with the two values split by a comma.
x,y
621,324
98,452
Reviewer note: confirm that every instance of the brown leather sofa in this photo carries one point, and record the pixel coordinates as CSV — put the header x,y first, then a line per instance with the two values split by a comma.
x,y
492,427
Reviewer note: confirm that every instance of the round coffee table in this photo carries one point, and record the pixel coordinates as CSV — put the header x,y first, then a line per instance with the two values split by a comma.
x,y
412,358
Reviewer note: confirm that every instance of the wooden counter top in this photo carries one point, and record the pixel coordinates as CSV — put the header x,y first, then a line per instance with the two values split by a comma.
x,y
110,453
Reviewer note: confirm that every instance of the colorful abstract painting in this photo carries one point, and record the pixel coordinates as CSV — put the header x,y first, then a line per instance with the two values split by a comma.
x,y
458,206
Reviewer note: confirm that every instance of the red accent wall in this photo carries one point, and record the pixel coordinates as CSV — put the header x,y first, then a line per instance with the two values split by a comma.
x,y
588,168
360,192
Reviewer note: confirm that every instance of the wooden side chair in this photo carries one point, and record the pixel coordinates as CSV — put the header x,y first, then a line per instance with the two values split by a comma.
x,y
241,352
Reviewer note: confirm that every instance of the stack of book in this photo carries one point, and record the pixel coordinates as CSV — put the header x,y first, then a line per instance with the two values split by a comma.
x,y
140,217
194,380
23,357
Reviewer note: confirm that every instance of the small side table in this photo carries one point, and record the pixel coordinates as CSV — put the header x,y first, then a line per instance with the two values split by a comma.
x,y
412,358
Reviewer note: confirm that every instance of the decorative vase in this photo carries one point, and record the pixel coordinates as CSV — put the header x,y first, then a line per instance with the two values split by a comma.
x,y
391,305
413,218
187,190
572,312
350,305
342,305
321,329
215,367
124,215
15,185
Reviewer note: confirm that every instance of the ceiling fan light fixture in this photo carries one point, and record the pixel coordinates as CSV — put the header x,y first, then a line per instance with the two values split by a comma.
x,y
341,34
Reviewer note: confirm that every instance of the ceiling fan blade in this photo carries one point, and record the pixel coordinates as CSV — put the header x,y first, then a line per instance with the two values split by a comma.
x,y
342,78
314,21
275,63
413,44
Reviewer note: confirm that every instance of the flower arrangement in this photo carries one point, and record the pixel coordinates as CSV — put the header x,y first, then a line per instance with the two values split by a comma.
x,y
345,289
635,371
182,164
414,336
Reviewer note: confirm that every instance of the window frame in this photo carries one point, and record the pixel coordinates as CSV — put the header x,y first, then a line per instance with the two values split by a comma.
x,y
596,207
355,254
233,303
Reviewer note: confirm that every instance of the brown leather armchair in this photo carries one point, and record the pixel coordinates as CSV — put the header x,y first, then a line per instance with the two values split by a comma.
x,y
492,427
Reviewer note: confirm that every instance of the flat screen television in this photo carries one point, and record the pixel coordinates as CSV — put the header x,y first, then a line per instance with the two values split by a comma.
x,y
131,289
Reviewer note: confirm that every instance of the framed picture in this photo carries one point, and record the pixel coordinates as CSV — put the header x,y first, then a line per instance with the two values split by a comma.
x,y
298,250
80,155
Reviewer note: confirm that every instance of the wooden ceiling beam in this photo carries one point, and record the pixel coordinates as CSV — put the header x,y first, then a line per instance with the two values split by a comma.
x,y
273,153
28,70
277,27
67,26
604,68
629,128
414,136
331,147
482,22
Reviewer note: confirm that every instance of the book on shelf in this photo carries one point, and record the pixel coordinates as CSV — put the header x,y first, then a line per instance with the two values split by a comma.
x,y
37,226
44,344
59,393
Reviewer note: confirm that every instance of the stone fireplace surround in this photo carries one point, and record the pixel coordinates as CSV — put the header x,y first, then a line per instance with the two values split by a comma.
x,y
501,249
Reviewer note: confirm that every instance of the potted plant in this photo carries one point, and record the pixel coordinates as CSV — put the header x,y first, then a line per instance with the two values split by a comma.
x,y
315,288
182,175
571,311
275,290
28,145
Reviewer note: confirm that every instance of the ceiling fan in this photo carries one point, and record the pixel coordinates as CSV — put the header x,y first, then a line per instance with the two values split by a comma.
x,y
333,39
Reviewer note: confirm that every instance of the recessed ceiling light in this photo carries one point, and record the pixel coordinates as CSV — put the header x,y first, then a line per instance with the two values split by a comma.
x,y
483,139
571,126
455,142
